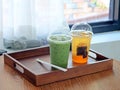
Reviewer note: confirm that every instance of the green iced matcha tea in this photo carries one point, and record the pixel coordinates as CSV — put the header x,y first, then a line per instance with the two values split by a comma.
x,y
59,49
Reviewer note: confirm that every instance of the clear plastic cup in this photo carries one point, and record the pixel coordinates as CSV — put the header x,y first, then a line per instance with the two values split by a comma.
x,y
59,49
81,39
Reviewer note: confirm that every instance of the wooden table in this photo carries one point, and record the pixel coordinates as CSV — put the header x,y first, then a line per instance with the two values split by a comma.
x,y
106,80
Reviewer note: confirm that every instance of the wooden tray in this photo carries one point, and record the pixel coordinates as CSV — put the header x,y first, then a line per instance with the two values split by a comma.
x,y
25,63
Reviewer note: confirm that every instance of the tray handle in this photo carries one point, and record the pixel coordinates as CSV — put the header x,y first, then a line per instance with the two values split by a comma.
x,y
19,68
14,63
97,56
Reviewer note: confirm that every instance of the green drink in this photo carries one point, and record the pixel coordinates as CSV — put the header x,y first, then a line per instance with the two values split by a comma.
x,y
59,49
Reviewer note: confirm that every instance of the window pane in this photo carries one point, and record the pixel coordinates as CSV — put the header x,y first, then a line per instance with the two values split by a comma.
x,y
87,10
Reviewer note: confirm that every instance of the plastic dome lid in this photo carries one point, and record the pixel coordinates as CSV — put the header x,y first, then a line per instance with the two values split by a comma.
x,y
81,26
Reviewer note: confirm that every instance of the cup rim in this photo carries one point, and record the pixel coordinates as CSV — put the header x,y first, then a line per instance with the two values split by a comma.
x,y
58,41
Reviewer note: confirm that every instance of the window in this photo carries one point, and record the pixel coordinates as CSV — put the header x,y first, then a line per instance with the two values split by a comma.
x,y
102,15
18,17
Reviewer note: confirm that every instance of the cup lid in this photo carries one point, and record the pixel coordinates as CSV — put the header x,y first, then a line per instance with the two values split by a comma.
x,y
59,38
82,27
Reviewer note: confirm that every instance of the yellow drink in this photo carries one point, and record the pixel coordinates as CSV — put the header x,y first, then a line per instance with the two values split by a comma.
x,y
80,45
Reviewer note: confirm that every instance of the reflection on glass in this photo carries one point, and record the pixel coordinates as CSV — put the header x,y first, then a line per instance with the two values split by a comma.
x,y
86,10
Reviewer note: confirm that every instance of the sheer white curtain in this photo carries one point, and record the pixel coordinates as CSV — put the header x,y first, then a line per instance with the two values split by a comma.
x,y
26,23
1,35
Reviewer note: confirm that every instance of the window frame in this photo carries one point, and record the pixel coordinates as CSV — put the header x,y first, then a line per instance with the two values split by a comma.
x,y
111,25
